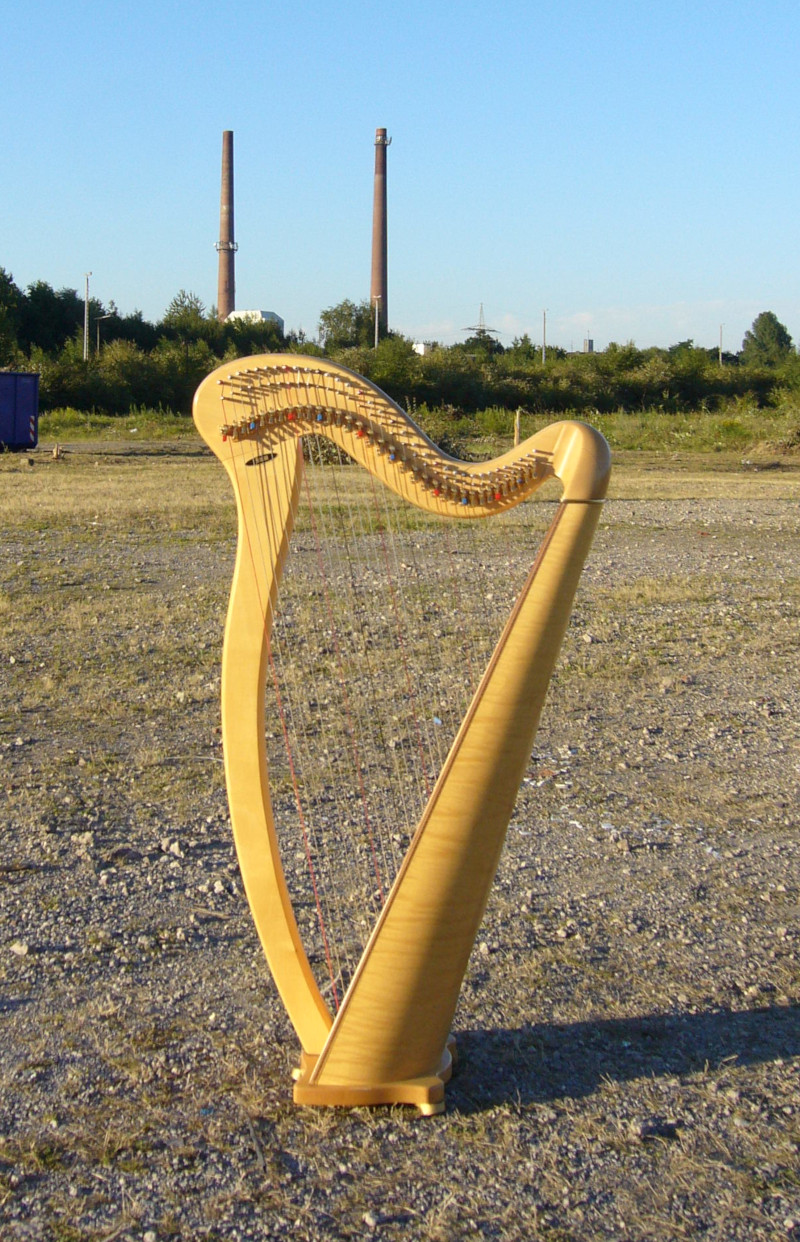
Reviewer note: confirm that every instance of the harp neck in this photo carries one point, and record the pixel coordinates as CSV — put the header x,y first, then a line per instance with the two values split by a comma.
x,y
269,400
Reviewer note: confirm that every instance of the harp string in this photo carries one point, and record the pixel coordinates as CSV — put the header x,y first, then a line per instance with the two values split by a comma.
x,y
304,727
398,601
350,725
316,733
296,729
412,629
312,740
412,597
374,638
351,518
393,581
427,605
343,534
398,794
257,479
317,730
329,501
358,655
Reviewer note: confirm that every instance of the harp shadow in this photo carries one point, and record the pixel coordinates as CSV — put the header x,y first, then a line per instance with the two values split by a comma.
x,y
542,1062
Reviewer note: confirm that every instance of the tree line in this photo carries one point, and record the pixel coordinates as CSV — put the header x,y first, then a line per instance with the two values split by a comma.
x,y
133,363
480,372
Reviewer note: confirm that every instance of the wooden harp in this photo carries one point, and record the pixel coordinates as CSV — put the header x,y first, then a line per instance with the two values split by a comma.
x,y
388,1040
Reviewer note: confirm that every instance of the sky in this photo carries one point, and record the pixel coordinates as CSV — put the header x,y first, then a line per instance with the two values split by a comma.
x,y
630,169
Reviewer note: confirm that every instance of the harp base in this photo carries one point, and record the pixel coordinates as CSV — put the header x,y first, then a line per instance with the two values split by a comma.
x,y
425,1093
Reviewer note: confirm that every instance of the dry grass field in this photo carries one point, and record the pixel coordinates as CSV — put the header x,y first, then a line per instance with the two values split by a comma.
x,y
629,1028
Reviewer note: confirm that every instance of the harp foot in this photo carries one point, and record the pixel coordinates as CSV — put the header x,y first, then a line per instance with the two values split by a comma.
x,y
307,1062
431,1110
425,1093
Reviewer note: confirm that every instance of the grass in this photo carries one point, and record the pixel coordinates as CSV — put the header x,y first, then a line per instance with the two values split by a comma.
x,y
742,429
87,489
68,424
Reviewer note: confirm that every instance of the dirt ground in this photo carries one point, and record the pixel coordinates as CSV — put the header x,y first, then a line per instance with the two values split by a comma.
x,y
629,1027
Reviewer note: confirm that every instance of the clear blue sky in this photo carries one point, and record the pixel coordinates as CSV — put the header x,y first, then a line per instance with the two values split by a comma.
x,y
631,167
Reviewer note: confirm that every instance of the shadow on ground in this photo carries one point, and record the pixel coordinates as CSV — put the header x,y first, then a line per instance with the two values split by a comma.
x,y
543,1062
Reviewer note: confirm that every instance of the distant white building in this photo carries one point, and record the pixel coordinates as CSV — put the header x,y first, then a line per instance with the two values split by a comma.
x,y
423,347
256,316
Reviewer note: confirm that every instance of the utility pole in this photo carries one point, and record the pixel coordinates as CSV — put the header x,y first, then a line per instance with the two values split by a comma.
x,y
98,321
86,320
721,326
544,337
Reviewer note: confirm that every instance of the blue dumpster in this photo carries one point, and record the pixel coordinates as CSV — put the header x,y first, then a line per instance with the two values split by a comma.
x,y
19,409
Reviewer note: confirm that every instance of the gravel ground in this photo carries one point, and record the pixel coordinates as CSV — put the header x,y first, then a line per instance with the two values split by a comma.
x,y
629,1028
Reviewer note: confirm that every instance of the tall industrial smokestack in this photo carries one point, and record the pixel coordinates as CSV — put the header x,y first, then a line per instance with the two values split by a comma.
x,y
226,246
379,287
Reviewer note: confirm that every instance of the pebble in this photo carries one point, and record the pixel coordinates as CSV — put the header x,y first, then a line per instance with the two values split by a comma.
x,y
653,1128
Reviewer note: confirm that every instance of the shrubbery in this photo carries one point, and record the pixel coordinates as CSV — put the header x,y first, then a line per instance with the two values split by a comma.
x,y
139,364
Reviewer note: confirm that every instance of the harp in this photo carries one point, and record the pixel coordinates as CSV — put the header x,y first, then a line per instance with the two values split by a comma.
x,y
387,1038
